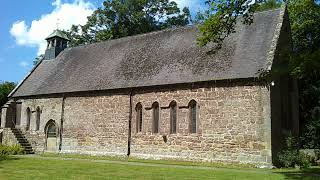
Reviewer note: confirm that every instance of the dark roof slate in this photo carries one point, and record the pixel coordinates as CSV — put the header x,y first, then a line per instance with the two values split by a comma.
x,y
57,33
159,58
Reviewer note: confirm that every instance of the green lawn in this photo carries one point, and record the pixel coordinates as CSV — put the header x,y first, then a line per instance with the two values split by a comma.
x,y
58,168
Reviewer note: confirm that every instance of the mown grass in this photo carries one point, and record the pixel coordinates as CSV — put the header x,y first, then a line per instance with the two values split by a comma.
x,y
86,168
163,161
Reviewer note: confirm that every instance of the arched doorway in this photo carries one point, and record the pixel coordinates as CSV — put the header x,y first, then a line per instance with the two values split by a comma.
x,y
51,136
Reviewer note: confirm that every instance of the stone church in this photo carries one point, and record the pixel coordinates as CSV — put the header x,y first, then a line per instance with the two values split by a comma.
x,y
161,96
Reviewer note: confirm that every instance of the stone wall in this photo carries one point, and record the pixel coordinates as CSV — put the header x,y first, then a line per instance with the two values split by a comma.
x,y
8,138
96,125
233,123
50,109
93,125
8,115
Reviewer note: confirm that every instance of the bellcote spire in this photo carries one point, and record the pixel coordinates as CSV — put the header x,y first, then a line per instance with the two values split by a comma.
x,y
57,42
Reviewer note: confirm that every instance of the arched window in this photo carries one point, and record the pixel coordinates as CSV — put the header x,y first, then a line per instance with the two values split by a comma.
x,y
139,117
193,116
38,118
28,118
156,114
173,117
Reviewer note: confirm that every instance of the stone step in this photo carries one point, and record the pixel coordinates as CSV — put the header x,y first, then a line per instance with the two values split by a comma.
x,y
24,144
22,141
19,136
16,132
28,150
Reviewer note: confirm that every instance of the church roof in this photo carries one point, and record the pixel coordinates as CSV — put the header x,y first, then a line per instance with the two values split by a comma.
x,y
57,33
165,57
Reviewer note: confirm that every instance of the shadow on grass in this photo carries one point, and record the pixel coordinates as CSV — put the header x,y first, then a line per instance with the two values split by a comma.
x,y
7,158
306,174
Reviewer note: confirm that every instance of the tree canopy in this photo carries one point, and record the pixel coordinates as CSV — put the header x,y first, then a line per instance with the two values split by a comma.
x,y
5,89
305,65
120,18
219,21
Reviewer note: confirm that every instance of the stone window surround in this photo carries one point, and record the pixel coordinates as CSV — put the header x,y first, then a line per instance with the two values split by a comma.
x,y
38,118
196,106
155,127
142,126
198,131
139,118
29,115
31,119
174,104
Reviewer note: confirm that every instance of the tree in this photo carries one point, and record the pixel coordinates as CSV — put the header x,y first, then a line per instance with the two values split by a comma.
x,y
305,65
38,59
5,89
305,27
120,18
220,18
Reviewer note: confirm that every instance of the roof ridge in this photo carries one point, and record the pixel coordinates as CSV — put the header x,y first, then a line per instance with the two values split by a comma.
x,y
156,32
137,35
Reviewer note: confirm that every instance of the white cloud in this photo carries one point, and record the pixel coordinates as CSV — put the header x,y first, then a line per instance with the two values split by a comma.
x,y
57,3
24,64
67,13
17,30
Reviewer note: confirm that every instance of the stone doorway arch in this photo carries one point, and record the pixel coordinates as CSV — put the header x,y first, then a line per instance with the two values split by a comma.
x,y
51,130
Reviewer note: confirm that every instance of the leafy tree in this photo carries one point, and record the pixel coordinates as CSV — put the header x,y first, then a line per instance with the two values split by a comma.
x,y
220,19
305,27
311,115
120,18
305,65
38,59
5,89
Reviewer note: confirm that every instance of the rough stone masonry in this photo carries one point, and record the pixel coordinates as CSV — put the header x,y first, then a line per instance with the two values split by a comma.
x,y
233,123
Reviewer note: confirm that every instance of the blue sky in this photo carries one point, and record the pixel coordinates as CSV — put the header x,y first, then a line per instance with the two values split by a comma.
x,y
25,24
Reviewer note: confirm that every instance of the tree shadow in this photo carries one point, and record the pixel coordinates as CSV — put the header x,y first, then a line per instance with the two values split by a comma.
x,y
305,174
7,158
